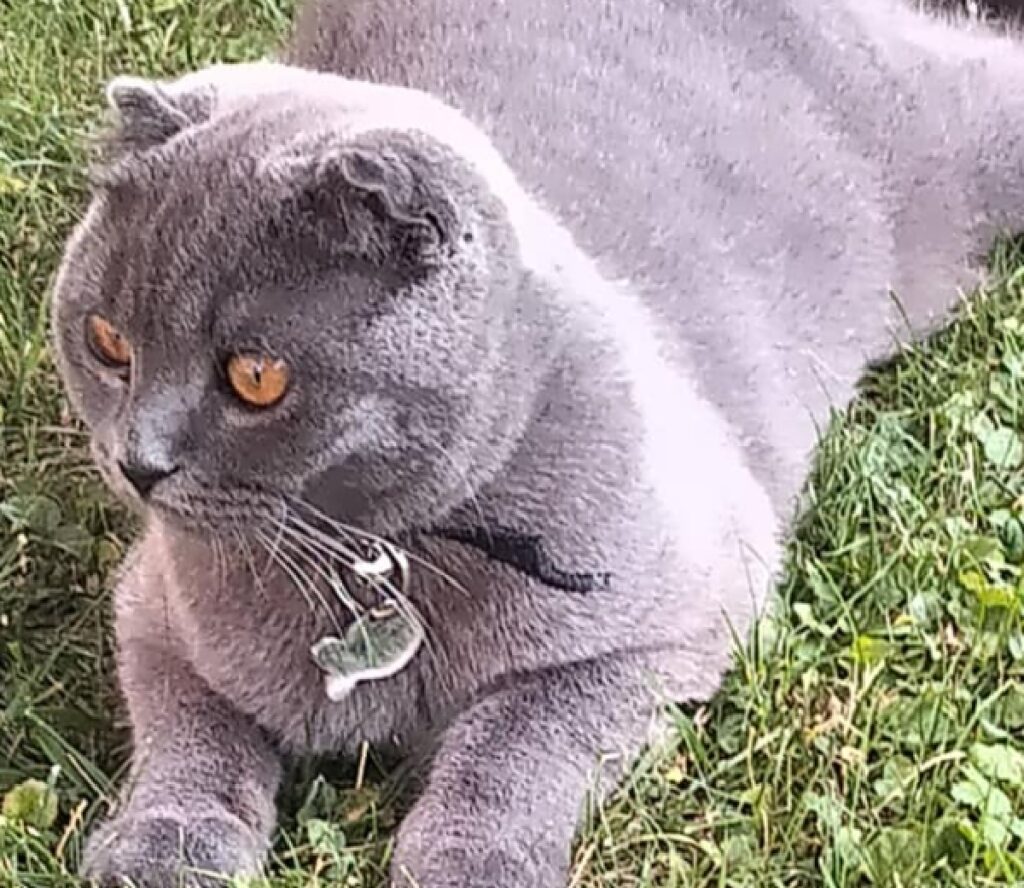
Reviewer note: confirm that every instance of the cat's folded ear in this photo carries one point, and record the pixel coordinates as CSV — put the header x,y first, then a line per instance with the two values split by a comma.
x,y
387,195
148,113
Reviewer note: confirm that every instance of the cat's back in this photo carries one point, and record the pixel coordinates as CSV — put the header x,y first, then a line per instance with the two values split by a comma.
x,y
647,111
699,150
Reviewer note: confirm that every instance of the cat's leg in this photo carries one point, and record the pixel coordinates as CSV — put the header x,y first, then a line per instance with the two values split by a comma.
x,y
511,775
201,795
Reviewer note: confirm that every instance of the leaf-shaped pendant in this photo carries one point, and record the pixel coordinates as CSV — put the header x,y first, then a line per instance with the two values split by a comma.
x,y
380,642
377,645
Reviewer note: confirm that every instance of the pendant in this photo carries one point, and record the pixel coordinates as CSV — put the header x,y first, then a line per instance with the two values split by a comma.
x,y
377,645
382,641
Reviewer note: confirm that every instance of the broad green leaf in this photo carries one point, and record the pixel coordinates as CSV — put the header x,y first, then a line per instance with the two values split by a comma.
x,y
867,650
973,581
1003,448
999,762
32,802
998,596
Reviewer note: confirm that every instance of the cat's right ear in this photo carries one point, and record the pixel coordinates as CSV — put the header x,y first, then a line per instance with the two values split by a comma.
x,y
149,113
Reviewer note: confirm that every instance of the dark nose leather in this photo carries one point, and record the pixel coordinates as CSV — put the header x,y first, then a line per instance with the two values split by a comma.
x,y
144,478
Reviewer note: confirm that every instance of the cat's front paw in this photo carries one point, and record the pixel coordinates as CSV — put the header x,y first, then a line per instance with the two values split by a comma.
x,y
171,851
481,867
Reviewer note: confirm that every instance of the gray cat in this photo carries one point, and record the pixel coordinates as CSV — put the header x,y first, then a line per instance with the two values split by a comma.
x,y
479,427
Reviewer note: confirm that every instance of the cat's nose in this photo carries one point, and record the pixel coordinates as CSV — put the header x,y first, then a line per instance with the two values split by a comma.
x,y
144,477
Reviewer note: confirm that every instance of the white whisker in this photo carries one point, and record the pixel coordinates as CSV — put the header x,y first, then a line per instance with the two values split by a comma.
x,y
325,549
300,581
219,563
349,530
464,478
297,545
384,587
250,560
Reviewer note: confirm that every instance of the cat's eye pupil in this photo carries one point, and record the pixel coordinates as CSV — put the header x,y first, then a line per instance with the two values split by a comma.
x,y
258,380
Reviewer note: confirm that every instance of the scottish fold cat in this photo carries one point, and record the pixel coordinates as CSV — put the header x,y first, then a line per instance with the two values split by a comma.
x,y
466,366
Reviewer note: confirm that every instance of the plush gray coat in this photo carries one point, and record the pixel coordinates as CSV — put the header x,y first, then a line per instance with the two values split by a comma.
x,y
563,327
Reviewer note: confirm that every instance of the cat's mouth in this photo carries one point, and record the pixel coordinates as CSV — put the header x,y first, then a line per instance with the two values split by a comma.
x,y
190,504
198,506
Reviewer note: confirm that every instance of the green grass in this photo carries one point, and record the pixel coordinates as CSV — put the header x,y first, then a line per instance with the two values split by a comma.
x,y
874,735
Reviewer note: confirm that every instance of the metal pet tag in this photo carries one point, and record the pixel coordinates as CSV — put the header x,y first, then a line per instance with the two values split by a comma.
x,y
378,644
375,646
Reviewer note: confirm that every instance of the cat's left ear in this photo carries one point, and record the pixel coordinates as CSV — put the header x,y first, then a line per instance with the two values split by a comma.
x,y
150,113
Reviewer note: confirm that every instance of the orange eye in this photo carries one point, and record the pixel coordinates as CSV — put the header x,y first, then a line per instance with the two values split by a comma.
x,y
108,342
259,380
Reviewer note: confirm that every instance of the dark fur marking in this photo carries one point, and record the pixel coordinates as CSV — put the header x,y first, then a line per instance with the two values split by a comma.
x,y
526,553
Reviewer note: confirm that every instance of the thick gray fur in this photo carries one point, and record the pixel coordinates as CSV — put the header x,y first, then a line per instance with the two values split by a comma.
x,y
576,366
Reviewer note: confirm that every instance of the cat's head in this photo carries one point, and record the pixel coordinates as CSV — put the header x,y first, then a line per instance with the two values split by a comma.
x,y
288,293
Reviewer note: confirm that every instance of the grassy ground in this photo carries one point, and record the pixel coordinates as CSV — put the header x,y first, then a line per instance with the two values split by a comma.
x,y
873,736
